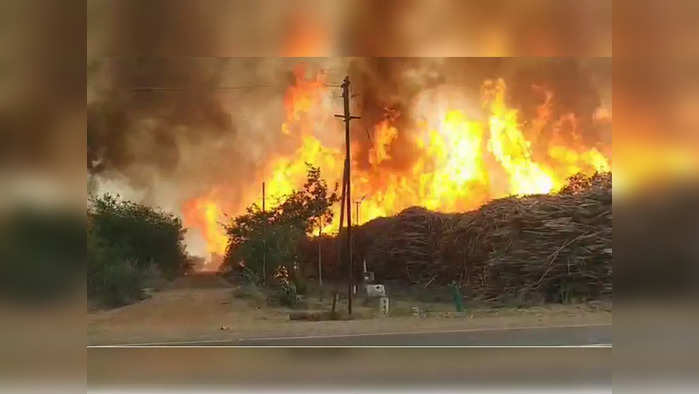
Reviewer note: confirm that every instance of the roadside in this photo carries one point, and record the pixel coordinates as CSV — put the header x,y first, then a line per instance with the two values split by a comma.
x,y
196,310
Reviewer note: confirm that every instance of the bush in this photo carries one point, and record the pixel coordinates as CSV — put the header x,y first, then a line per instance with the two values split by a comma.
x,y
143,235
251,277
153,278
122,284
249,291
128,244
301,285
287,294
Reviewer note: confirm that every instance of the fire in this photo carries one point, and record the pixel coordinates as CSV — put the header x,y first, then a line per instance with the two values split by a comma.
x,y
288,173
384,135
457,163
509,146
451,164
300,97
205,214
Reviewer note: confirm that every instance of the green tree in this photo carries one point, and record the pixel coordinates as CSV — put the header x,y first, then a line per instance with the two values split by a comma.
x,y
125,239
264,241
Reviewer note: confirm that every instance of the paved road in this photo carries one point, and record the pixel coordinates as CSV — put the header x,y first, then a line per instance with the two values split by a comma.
x,y
593,335
552,336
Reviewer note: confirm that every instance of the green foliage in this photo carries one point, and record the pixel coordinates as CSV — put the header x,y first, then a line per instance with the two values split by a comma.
x,y
122,283
263,241
127,241
300,285
250,292
287,294
251,277
142,234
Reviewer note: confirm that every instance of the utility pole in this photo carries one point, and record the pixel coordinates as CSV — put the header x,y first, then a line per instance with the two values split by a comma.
x,y
264,238
347,198
320,239
342,214
358,203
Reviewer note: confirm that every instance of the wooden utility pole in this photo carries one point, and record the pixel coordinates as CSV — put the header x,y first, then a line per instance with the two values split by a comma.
x,y
347,194
320,239
359,203
264,238
342,215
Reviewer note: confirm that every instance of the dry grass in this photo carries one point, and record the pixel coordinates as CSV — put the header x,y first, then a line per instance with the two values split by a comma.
x,y
213,312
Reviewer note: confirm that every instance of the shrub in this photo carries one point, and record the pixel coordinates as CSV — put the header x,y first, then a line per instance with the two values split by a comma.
x,y
122,284
127,244
143,235
251,277
301,285
153,278
249,291
287,294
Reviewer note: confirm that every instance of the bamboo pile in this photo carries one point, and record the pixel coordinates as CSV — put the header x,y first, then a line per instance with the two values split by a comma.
x,y
553,247
405,246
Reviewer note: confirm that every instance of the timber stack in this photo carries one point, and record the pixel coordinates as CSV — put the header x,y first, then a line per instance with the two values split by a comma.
x,y
548,247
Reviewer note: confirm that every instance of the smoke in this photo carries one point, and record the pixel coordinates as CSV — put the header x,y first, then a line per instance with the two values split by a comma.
x,y
157,119
579,87
131,124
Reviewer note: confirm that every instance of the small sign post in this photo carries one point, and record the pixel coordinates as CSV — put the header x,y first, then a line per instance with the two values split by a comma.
x,y
456,295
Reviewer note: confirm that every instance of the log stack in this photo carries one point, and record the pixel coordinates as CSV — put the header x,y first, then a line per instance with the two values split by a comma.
x,y
405,246
552,247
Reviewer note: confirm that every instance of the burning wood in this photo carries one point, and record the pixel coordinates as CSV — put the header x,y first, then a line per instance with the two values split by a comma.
x,y
553,247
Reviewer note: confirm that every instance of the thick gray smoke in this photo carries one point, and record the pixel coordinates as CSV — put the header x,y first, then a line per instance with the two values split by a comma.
x,y
195,122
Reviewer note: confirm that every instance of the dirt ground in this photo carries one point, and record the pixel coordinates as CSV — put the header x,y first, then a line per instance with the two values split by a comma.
x,y
197,308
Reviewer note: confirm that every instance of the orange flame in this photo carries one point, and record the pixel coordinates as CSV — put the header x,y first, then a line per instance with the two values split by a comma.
x,y
205,214
457,162
509,146
384,135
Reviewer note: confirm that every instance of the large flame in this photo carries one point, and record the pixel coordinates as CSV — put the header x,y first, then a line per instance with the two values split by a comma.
x,y
459,163
509,146
205,214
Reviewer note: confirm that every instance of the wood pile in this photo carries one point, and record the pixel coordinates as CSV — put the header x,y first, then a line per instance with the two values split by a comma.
x,y
405,246
553,247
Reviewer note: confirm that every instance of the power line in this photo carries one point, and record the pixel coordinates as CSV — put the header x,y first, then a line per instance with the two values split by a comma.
x,y
181,89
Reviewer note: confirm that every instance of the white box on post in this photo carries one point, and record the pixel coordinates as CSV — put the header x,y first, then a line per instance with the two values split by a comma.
x,y
375,290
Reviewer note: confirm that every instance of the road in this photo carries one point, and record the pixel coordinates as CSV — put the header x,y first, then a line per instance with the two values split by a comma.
x,y
592,335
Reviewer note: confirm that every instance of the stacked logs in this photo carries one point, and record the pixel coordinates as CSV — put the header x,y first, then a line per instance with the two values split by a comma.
x,y
404,247
553,247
